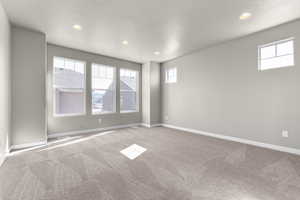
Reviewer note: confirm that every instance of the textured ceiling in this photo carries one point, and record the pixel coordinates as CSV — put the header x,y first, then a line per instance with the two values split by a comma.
x,y
173,27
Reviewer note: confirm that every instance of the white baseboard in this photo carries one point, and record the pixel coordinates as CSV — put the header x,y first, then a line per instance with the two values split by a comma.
x,y
156,125
236,139
2,159
79,132
27,145
150,126
146,125
9,150
55,135
224,137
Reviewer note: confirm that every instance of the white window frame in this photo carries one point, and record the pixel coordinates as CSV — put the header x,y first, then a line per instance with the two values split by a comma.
x,y
167,75
276,43
137,91
53,92
115,90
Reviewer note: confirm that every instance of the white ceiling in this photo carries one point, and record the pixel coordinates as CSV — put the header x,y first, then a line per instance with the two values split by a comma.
x,y
173,27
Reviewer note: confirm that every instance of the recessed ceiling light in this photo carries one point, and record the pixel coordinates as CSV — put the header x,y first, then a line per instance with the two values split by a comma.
x,y
125,42
77,27
156,52
245,15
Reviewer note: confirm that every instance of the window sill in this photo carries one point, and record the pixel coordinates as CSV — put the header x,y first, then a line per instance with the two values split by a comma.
x,y
129,111
171,82
69,115
103,113
273,68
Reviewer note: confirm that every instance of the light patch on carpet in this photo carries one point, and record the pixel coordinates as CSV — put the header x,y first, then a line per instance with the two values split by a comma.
x,y
133,151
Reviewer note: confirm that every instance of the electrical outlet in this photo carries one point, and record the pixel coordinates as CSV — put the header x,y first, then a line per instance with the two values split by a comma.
x,y
285,133
166,117
100,121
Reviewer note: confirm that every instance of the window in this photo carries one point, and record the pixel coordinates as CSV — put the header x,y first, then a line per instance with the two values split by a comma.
x,y
129,82
68,87
171,75
276,55
103,89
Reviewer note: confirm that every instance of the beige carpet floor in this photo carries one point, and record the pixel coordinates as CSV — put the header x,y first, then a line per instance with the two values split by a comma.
x,y
176,166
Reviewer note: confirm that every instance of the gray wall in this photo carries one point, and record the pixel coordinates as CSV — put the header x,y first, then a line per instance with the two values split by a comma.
x,y
220,90
151,93
146,93
28,86
4,82
89,121
155,93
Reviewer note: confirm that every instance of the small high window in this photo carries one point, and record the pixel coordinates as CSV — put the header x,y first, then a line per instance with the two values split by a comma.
x,y
171,75
276,55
